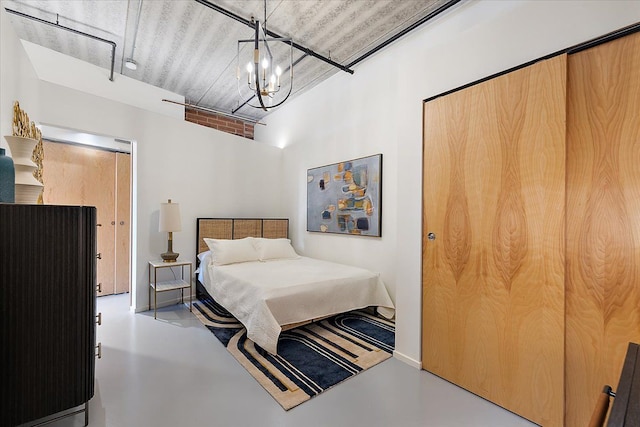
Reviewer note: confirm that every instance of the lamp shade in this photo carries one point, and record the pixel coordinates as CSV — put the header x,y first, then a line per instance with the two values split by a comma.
x,y
170,217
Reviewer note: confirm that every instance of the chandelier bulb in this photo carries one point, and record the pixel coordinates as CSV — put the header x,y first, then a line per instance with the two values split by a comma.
x,y
266,84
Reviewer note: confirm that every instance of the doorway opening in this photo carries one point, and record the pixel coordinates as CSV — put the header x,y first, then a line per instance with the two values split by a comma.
x,y
95,170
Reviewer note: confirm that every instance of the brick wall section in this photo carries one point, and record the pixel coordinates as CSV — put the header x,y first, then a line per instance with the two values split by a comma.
x,y
219,122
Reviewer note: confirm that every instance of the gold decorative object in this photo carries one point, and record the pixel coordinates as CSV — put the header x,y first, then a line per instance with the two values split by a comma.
x,y
25,128
27,187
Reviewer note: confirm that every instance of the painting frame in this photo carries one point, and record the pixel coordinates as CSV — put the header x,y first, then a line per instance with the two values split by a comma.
x,y
346,197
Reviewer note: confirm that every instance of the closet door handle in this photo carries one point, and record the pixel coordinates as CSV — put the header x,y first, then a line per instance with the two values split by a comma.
x,y
113,223
121,222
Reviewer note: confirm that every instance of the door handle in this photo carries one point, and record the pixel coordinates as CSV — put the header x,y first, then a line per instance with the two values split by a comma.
x,y
431,236
121,222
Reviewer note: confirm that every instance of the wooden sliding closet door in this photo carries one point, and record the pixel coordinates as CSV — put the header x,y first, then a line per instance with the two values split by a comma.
x,y
603,227
100,192
493,276
79,175
123,222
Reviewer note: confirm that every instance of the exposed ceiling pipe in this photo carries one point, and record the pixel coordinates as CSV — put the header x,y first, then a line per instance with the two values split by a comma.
x,y
248,23
62,27
404,32
130,62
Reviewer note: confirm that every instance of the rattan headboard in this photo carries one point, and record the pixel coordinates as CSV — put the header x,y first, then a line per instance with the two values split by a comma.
x,y
238,228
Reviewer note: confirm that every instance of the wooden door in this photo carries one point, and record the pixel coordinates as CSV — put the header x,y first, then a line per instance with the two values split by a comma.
x,y
603,227
493,278
123,222
100,175
79,175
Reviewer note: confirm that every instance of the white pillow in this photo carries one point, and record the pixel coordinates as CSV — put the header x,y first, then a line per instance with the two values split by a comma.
x,y
203,256
274,249
205,260
224,251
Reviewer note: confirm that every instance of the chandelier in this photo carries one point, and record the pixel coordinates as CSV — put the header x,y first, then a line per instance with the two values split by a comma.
x,y
264,75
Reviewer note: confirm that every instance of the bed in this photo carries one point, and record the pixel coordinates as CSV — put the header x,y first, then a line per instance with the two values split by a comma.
x,y
249,267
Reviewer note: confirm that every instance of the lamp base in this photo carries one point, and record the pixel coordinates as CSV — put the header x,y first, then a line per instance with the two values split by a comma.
x,y
169,256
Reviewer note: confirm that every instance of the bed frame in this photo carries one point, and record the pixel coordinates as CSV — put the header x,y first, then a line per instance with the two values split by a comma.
x,y
236,228
239,228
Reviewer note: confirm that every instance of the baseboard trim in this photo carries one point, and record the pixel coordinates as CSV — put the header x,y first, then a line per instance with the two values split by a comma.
x,y
408,360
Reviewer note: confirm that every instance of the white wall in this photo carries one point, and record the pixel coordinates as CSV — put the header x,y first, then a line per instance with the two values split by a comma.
x,y
18,80
52,66
209,173
379,109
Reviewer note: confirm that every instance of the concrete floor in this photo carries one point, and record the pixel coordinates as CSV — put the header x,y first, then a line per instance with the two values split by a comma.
x,y
172,372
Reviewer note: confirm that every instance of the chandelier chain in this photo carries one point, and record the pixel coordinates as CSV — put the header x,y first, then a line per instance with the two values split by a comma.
x,y
265,18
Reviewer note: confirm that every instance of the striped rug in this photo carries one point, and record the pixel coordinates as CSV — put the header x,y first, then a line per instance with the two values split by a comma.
x,y
311,358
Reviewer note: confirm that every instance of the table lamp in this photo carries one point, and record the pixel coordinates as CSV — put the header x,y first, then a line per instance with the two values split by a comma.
x,y
170,222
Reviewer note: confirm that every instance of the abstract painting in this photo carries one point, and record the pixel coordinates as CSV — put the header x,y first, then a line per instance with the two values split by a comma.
x,y
346,197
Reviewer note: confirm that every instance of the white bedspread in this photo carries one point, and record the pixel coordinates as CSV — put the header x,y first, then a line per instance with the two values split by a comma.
x,y
266,295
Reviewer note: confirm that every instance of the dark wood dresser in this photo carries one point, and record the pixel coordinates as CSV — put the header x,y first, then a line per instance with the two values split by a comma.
x,y
626,405
47,310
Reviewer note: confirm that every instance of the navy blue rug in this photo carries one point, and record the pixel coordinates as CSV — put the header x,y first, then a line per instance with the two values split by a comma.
x,y
311,358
